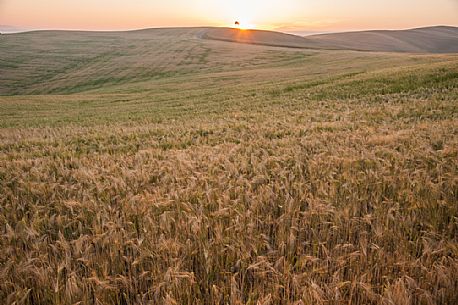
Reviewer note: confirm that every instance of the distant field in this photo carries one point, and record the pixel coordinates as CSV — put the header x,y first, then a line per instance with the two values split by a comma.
x,y
438,39
158,167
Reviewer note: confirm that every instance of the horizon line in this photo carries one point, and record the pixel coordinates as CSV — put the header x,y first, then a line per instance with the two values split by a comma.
x,y
19,30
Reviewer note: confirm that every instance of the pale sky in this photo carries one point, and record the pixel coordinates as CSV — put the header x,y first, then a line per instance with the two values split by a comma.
x,y
284,15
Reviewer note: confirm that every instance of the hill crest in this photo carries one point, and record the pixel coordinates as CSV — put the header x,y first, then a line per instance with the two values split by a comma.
x,y
438,39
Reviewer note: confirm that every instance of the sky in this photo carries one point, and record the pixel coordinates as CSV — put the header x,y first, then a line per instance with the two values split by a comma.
x,y
282,15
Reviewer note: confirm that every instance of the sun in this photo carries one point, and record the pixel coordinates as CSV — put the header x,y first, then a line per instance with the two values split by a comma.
x,y
246,13
243,25
250,14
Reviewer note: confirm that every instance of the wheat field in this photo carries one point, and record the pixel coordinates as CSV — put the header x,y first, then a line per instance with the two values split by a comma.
x,y
156,167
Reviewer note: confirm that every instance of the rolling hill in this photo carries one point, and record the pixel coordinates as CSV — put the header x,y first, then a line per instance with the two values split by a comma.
x,y
259,37
439,39
69,62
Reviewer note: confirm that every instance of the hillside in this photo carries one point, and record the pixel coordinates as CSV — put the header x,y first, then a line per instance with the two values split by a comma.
x,y
439,39
63,62
260,37
422,40
66,62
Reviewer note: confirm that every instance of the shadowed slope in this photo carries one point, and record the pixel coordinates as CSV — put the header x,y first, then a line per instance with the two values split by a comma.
x,y
422,40
260,37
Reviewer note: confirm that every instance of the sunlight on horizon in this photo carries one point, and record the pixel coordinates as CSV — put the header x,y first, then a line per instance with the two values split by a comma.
x,y
252,14
256,14
243,25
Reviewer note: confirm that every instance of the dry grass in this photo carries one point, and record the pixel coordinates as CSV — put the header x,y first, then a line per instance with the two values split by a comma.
x,y
284,183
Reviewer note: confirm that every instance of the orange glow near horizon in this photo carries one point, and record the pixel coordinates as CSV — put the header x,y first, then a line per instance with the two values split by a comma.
x,y
282,15
243,25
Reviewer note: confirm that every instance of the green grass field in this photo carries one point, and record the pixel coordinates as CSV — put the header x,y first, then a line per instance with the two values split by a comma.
x,y
156,167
